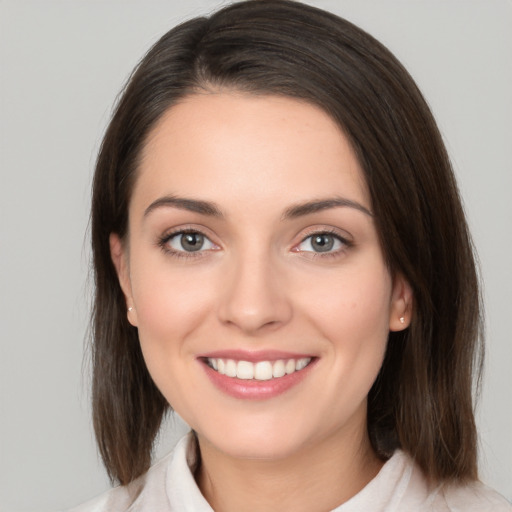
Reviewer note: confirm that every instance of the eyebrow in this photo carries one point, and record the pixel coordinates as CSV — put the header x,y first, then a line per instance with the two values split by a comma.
x,y
310,207
191,205
212,210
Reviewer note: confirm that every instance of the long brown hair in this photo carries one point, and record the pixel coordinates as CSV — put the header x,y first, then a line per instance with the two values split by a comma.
x,y
422,398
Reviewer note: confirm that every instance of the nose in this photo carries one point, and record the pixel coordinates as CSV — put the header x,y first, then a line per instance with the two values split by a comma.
x,y
254,297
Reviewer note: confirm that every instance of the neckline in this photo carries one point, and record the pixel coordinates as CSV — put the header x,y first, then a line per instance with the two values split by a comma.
x,y
388,485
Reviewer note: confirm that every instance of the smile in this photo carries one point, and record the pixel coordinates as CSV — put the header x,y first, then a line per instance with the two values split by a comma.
x,y
261,370
256,375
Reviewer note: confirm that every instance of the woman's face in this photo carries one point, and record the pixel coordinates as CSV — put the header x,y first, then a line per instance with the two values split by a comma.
x,y
252,252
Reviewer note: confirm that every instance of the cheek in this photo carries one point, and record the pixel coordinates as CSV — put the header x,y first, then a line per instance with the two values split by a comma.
x,y
356,300
170,303
354,318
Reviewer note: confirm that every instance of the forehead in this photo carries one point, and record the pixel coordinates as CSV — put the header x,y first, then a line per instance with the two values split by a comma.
x,y
231,146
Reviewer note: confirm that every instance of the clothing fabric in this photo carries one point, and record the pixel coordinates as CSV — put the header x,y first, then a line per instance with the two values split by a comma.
x,y
169,486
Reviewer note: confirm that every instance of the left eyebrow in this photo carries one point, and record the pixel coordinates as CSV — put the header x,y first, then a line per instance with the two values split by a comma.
x,y
310,207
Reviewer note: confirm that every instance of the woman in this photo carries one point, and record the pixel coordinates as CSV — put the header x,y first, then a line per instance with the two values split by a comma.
x,y
281,256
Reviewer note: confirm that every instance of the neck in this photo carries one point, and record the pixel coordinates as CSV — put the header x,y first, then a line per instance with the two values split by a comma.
x,y
317,477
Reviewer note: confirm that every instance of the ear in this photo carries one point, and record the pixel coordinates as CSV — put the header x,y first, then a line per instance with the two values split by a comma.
x,y
401,304
120,260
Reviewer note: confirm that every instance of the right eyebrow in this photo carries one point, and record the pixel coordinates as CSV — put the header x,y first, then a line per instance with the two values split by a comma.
x,y
191,205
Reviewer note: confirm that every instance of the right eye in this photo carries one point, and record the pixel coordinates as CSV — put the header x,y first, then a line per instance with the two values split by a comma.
x,y
189,241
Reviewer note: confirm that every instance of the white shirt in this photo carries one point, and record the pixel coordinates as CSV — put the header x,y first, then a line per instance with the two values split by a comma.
x,y
169,486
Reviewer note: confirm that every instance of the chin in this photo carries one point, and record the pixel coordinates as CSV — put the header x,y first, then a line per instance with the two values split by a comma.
x,y
263,438
262,448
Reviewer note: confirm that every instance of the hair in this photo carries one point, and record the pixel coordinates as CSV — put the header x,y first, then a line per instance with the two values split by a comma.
x,y
422,399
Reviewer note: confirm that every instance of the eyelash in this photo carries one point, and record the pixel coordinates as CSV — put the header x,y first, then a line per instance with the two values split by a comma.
x,y
346,244
163,243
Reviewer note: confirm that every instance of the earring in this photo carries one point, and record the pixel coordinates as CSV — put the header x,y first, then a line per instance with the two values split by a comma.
x,y
402,320
130,309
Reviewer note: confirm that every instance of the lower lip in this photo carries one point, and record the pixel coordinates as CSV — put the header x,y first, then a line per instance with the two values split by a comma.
x,y
256,389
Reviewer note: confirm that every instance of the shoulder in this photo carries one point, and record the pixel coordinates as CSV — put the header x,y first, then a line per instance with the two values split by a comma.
x,y
149,490
470,497
127,497
168,486
118,499
473,497
404,488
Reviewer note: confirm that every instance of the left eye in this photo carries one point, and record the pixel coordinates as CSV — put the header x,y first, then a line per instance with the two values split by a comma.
x,y
190,242
321,242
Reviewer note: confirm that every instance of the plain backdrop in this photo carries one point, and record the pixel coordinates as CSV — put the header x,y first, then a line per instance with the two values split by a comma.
x,y
62,65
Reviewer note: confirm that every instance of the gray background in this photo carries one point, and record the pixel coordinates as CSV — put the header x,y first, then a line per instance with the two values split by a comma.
x,y
62,64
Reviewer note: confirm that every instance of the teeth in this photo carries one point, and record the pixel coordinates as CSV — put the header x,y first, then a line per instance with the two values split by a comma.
x,y
278,369
262,370
289,367
244,370
302,363
230,368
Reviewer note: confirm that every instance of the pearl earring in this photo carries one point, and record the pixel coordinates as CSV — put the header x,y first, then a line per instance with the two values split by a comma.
x,y
130,309
402,320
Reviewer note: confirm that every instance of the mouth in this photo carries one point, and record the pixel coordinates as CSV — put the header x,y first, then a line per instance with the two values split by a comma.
x,y
260,376
259,371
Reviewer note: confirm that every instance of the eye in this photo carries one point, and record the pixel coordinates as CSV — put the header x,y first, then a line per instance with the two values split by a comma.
x,y
189,241
322,243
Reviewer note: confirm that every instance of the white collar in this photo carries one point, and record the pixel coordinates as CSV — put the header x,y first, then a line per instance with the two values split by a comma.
x,y
383,493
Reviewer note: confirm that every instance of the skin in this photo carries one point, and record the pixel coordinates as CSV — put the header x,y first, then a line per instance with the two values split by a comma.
x,y
259,284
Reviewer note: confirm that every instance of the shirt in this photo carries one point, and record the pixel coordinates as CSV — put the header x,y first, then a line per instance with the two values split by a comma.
x,y
400,486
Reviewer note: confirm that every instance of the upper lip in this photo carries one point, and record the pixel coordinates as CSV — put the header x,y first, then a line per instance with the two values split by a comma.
x,y
253,356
